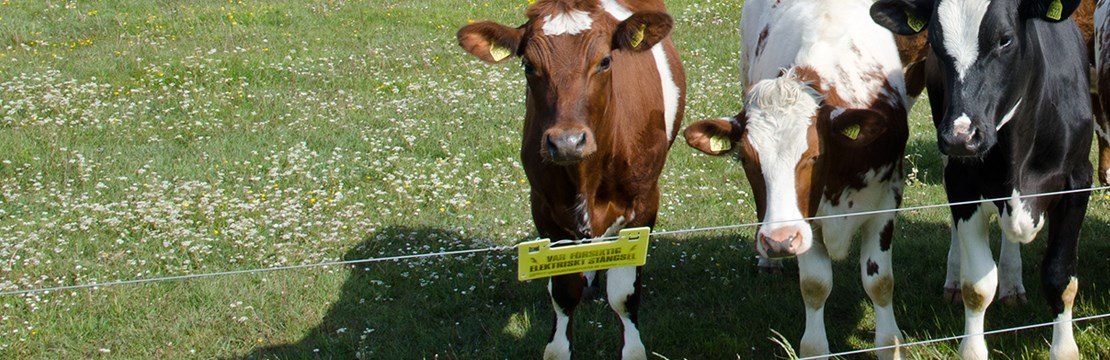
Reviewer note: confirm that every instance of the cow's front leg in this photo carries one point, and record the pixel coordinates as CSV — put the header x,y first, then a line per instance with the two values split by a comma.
x,y
623,287
815,276
1058,271
566,293
979,278
878,280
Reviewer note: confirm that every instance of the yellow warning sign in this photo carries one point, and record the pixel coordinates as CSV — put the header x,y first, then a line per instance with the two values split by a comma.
x,y
537,259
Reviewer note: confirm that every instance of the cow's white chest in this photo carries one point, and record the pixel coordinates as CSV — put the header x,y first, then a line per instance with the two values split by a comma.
x,y
877,194
1018,221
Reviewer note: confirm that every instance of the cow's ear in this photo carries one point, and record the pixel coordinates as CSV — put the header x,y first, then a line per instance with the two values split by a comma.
x,y
1048,10
713,137
902,17
642,30
490,41
854,127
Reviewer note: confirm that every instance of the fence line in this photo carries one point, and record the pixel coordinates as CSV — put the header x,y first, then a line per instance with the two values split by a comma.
x,y
957,337
514,246
566,242
259,270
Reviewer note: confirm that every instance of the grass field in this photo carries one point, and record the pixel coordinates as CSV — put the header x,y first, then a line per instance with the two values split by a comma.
x,y
155,138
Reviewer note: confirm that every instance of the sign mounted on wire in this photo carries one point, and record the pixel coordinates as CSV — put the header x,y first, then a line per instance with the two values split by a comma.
x,y
537,259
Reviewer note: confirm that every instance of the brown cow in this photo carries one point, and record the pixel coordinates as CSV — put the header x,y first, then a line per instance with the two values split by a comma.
x,y
605,97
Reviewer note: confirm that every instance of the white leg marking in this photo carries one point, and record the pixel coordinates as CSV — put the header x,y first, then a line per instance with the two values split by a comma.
x,y
1063,340
559,347
1009,270
952,278
620,284
815,275
878,280
979,281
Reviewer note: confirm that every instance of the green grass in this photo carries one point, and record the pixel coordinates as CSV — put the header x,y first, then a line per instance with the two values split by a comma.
x,y
142,139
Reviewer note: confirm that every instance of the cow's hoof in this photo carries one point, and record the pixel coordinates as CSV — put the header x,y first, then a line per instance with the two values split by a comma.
x,y
953,296
1014,299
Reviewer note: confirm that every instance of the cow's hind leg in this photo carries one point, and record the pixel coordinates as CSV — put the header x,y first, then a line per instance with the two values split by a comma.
x,y
566,292
623,288
878,280
979,278
815,276
1058,271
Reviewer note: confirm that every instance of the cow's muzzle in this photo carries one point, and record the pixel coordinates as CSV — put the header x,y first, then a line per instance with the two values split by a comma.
x,y
569,146
964,139
781,242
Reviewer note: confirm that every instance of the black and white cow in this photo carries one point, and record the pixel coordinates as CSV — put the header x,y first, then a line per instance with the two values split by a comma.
x,y
1009,94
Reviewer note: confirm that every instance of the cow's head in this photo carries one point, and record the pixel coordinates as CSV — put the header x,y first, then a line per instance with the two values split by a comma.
x,y
980,47
566,49
785,139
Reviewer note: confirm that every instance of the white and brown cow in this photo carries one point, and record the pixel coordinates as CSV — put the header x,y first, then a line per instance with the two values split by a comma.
x,y
605,96
822,132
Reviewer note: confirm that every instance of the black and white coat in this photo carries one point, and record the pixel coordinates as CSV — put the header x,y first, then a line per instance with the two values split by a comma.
x,y
1009,93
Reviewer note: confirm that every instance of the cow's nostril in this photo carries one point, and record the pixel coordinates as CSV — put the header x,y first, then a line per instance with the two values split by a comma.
x,y
580,142
552,149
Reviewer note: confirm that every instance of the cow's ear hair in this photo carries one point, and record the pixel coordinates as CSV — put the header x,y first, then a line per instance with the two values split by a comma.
x,y
490,41
713,137
902,17
1048,10
854,127
642,30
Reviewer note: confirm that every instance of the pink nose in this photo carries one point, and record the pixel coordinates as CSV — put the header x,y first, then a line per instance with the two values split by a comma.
x,y
569,146
781,242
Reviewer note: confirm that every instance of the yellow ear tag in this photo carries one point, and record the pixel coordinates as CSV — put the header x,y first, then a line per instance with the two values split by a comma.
x,y
916,23
1055,10
537,259
638,37
720,143
852,132
498,52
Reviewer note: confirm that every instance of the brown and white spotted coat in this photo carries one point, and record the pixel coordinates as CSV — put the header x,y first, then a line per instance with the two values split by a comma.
x,y
822,132
605,97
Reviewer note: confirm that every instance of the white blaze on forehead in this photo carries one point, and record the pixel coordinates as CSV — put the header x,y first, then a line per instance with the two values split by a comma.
x,y
780,112
570,23
959,24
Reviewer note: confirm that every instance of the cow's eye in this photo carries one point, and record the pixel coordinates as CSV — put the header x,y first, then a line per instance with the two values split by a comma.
x,y
1005,41
528,67
605,63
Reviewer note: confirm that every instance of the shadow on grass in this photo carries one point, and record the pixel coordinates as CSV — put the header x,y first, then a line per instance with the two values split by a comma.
x,y
703,300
